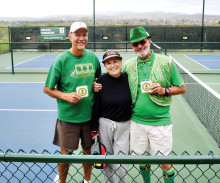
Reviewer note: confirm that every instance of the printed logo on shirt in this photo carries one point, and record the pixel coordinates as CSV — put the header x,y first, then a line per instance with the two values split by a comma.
x,y
83,70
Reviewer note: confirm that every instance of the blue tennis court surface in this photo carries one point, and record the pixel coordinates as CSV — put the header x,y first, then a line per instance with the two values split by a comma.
x,y
43,62
27,96
208,61
28,118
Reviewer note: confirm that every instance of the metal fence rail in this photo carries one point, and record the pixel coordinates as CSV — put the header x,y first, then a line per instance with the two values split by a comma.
x,y
34,167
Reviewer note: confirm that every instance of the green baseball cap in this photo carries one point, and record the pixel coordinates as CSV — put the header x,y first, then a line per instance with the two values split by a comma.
x,y
138,34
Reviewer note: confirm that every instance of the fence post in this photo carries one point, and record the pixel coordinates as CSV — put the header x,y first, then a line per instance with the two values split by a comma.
x,y
94,38
12,60
50,45
126,35
9,36
165,47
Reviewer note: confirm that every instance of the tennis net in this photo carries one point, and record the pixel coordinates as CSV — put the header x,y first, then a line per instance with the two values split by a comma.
x,y
203,100
156,48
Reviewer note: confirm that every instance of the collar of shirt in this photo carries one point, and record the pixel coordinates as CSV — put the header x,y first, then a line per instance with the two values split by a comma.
x,y
148,61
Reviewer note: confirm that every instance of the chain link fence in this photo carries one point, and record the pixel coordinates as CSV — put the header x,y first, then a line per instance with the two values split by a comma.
x,y
106,34
42,167
163,33
4,38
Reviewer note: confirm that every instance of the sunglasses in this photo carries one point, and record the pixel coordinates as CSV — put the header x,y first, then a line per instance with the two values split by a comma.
x,y
142,42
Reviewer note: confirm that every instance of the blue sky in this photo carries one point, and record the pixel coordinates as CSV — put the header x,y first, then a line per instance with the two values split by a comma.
x,y
43,8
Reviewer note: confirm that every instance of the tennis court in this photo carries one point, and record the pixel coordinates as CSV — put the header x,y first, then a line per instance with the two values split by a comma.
x,y
205,66
28,115
39,62
28,122
207,61
43,61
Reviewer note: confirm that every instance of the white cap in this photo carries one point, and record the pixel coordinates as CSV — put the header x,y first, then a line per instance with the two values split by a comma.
x,y
77,25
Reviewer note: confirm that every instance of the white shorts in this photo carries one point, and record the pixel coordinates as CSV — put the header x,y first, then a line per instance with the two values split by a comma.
x,y
151,139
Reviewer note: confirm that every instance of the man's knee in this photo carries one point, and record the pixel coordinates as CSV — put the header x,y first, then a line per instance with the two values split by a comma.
x,y
86,150
65,152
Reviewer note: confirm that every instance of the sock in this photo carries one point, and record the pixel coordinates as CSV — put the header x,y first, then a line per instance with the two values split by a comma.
x,y
145,172
168,176
86,181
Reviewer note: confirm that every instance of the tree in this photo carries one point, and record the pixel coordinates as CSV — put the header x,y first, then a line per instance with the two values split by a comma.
x,y
50,23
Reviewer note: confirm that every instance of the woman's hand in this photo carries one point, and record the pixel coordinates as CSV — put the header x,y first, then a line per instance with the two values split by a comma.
x,y
96,86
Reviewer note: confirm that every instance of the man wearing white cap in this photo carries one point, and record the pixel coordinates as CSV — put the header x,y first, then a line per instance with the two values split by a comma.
x,y
70,81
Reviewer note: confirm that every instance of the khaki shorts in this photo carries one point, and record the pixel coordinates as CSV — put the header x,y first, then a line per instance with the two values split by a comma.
x,y
151,139
67,135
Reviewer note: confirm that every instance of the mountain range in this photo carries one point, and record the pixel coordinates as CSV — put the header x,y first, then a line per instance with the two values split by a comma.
x,y
121,18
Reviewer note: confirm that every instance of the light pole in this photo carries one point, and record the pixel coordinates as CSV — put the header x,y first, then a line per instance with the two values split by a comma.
x,y
94,37
203,10
93,12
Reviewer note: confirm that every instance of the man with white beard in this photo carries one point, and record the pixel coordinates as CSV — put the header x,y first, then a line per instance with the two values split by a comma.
x,y
153,78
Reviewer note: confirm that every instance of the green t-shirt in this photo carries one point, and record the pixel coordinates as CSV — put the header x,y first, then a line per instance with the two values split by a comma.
x,y
68,72
145,111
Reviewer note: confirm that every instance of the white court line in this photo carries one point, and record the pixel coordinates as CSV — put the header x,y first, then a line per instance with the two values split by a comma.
x,y
30,110
26,61
213,83
56,180
196,62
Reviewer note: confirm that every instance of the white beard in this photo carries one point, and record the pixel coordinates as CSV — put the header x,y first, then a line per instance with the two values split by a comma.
x,y
143,54
81,47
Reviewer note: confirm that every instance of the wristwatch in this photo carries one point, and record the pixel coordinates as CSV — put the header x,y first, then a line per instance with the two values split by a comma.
x,y
167,91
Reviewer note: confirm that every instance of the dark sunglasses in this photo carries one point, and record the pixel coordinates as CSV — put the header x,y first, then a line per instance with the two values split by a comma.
x,y
142,42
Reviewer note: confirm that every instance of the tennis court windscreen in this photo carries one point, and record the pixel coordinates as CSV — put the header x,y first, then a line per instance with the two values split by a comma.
x,y
203,100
